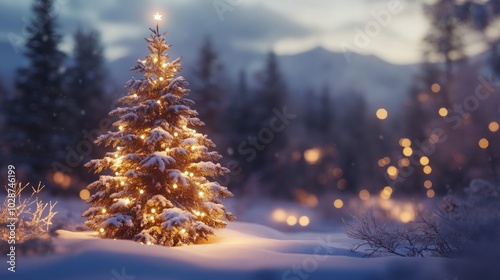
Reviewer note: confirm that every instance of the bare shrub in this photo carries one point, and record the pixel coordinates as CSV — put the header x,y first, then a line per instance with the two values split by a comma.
x,y
34,218
445,230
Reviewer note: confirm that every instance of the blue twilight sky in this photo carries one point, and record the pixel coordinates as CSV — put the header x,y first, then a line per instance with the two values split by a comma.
x,y
287,26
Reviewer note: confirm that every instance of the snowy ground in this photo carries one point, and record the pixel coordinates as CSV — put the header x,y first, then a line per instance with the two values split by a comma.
x,y
241,251
253,249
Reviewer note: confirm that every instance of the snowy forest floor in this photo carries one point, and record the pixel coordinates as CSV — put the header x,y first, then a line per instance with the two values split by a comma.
x,y
243,250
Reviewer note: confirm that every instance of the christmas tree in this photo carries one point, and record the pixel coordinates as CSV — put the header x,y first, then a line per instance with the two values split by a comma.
x,y
162,188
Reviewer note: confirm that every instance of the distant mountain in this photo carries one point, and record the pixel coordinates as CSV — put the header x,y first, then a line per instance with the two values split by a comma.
x,y
382,83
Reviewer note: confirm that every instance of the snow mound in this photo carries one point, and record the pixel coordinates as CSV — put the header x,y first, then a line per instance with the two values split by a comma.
x,y
241,251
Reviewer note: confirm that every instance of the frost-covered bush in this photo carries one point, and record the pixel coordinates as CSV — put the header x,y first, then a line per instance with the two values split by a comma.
x,y
33,220
445,230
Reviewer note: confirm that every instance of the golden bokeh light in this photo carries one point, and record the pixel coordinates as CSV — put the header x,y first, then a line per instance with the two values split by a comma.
x,y
84,194
404,162
382,114
433,139
431,193
435,88
428,184
493,126
406,216
484,143
386,193
408,151
424,160
279,215
342,184
427,170
392,171
443,112
312,156
364,195
291,220
304,221
405,142
338,203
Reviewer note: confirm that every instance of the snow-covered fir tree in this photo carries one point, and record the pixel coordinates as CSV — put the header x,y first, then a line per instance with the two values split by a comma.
x,y
162,188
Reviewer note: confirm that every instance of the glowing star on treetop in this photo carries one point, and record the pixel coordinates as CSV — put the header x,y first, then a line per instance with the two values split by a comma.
x,y
157,17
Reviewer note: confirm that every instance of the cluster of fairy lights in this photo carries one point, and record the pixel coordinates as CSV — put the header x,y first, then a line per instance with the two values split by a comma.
x,y
424,161
193,147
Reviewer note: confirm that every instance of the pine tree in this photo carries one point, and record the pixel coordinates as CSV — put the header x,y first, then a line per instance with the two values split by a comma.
x,y
87,78
38,116
208,91
162,189
444,40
